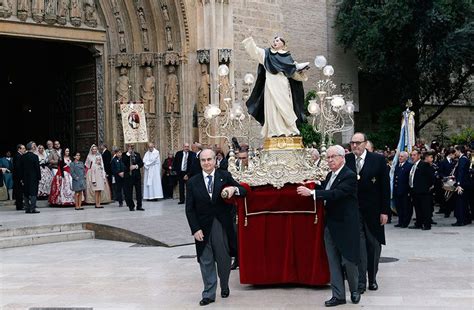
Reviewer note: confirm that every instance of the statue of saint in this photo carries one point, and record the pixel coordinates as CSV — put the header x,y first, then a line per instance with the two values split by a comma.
x,y
169,39
148,91
62,11
172,91
5,9
122,43
23,9
122,89
277,100
76,13
50,11
37,10
203,90
90,14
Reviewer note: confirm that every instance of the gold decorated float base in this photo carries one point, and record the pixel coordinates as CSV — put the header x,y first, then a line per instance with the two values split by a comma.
x,y
283,143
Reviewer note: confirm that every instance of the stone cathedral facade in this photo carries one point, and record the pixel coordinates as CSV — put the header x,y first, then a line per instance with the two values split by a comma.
x,y
165,53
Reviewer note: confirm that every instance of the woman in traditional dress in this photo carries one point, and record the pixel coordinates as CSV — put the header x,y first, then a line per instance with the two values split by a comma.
x,y
97,187
7,163
78,173
44,187
61,188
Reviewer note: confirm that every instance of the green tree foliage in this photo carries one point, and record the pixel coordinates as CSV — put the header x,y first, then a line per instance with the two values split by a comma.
x,y
387,135
466,136
422,49
310,137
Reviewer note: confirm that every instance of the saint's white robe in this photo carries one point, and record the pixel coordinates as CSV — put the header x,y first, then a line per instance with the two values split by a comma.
x,y
152,188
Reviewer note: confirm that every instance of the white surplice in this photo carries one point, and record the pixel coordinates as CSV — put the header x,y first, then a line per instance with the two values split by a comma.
x,y
152,188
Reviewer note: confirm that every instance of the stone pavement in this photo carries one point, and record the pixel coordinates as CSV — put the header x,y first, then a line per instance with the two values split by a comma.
x,y
435,269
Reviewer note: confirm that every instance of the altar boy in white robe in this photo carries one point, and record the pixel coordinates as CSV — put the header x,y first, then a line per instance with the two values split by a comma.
x,y
152,182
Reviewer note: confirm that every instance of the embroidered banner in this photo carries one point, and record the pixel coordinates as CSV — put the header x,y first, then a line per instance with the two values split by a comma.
x,y
134,123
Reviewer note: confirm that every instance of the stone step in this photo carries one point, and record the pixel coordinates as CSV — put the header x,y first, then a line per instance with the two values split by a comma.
x,y
35,230
43,238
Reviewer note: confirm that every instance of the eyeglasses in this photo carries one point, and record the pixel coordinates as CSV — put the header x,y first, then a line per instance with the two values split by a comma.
x,y
357,142
333,157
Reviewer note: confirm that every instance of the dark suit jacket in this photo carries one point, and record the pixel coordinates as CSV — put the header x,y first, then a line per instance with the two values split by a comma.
x,y
127,161
445,168
201,209
342,214
423,179
117,166
178,158
400,179
30,173
373,191
107,158
462,173
196,165
16,167
224,164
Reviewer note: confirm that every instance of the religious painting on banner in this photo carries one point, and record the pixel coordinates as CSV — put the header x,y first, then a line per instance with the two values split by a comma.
x,y
134,123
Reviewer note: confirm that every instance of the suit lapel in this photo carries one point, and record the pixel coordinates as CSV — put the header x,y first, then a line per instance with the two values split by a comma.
x,y
338,178
201,187
218,184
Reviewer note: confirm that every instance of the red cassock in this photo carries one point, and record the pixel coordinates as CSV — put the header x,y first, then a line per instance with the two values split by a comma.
x,y
285,247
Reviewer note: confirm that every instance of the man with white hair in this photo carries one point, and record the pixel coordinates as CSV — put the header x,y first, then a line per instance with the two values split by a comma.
x,y
316,157
341,234
401,189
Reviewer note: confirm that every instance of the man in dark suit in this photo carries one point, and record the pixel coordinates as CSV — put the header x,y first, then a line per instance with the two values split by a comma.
x,y
182,165
17,174
107,159
463,187
133,178
446,169
373,193
30,176
196,165
341,234
420,181
118,173
400,190
210,220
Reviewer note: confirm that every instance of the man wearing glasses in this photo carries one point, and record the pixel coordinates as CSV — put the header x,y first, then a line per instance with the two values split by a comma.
x,y
373,192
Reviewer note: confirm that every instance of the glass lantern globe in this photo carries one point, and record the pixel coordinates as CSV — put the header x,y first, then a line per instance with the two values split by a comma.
x,y
313,107
207,113
328,70
214,110
337,101
249,78
320,61
349,107
223,70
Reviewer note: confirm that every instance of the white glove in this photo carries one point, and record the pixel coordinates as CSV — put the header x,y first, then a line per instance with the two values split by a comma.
x,y
301,66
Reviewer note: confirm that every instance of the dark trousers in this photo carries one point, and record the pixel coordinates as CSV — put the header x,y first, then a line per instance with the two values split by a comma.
x,y
404,209
337,265
18,194
461,210
447,206
216,252
423,208
168,182
370,250
30,203
181,183
118,189
129,184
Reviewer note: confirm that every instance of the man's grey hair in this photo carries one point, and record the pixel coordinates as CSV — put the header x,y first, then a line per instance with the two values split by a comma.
x,y
315,152
404,154
338,149
29,145
213,154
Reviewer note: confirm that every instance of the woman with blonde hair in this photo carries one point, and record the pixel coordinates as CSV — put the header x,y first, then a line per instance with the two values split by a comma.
x,y
96,181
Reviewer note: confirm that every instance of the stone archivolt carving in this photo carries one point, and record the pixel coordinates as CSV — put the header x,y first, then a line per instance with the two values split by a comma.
x,y
144,27
76,13
203,90
166,15
148,91
224,91
23,9
62,11
169,39
122,87
203,56
147,59
5,9
50,11
171,58
172,91
37,10
90,13
115,6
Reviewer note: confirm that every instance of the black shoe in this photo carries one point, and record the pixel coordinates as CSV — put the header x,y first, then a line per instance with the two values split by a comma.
x,y
334,302
140,209
361,290
373,286
355,297
433,222
205,301
120,205
426,228
181,202
404,226
457,224
33,211
398,225
20,209
225,293
414,227
131,209
234,265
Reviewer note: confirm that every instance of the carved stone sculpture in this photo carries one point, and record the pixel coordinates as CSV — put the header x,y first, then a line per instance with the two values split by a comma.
x,y
148,91
62,11
146,45
5,8
122,89
224,91
142,20
172,91
50,11
23,9
166,15
119,24
76,13
90,13
122,43
203,90
169,39
37,10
